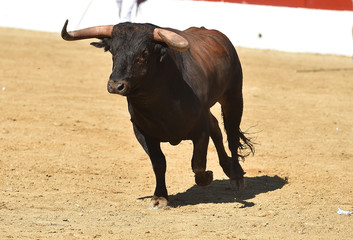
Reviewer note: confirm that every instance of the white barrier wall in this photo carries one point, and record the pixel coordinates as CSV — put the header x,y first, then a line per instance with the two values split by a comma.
x,y
281,28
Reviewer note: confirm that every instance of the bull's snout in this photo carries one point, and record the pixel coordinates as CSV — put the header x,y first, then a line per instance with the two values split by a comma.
x,y
118,87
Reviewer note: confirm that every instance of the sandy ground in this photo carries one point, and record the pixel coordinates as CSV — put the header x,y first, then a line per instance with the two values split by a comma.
x,y
70,167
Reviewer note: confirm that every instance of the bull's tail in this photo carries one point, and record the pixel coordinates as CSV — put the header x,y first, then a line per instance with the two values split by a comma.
x,y
246,145
239,144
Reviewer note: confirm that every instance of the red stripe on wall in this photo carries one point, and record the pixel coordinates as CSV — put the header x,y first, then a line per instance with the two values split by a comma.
x,y
315,4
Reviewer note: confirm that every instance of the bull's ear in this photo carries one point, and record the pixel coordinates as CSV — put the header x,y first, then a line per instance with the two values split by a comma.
x,y
104,43
161,50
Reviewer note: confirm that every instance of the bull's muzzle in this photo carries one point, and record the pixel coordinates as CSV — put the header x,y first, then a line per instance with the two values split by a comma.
x,y
118,87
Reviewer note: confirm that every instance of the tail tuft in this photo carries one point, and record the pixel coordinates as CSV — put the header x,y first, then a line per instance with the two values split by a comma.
x,y
244,145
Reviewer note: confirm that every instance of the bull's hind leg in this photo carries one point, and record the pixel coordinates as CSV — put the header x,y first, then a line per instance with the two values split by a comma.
x,y
153,149
217,139
232,109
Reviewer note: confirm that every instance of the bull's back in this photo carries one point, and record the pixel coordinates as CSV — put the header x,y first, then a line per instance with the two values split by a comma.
x,y
212,63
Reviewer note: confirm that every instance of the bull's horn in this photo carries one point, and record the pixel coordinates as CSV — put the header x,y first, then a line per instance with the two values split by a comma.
x,y
92,32
172,39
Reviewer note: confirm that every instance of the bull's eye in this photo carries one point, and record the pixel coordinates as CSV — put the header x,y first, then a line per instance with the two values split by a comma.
x,y
142,58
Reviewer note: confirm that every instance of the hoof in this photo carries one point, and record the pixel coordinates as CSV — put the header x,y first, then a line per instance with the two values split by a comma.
x,y
158,203
237,185
237,180
204,178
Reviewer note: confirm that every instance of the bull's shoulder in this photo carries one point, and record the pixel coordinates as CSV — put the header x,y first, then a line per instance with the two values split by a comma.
x,y
210,40
196,29
198,33
202,30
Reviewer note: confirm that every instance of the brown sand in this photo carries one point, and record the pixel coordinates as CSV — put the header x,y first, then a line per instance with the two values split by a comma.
x,y
71,168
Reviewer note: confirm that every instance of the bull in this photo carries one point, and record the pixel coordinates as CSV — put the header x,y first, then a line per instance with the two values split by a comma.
x,y
171,79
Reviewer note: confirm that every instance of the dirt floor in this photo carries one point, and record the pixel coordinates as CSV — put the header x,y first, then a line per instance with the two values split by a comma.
x,y
71,168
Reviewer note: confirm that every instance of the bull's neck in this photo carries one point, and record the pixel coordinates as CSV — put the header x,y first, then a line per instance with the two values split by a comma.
x,y
161,87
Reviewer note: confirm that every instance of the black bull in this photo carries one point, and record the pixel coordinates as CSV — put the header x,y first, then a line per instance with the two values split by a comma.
x,y
171,80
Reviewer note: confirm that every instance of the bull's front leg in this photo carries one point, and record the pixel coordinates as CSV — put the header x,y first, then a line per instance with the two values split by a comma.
x,y
153,149
199,160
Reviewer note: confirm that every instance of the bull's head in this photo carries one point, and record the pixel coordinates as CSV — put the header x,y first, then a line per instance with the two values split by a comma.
x,y
136,50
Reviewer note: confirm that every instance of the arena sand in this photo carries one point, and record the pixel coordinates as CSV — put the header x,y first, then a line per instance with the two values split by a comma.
x,y
71,168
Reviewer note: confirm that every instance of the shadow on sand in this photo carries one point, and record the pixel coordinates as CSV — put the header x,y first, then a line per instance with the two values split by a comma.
x,y
219,191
